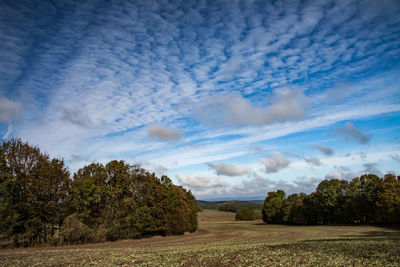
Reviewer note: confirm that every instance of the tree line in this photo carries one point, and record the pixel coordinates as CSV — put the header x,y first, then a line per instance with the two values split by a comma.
x,y
42,202
367,199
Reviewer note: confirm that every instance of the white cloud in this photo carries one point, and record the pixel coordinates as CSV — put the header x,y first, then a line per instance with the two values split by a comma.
x,y
121,70
334,175
274,162
304,184
158,169
235,110
163,133
202,184
257,186
228,169
9,110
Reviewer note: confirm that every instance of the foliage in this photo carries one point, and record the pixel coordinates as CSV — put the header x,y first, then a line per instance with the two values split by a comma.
x,y
119,201
389,199
74,231
330,199
362,197
247,214
34,193
296,212
276,207
39,201
231,206
364,200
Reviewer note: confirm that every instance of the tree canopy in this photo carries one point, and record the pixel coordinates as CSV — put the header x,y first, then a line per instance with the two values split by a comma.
x,y
41,202
367,199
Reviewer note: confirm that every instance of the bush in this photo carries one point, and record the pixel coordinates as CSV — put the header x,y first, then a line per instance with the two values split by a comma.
x,y
245,214
73,231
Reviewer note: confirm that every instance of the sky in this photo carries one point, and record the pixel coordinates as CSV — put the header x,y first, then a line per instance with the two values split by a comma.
x,y
230,99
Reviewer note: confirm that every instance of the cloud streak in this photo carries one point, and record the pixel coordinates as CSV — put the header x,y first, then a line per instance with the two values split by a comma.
x,y
313,161
326,150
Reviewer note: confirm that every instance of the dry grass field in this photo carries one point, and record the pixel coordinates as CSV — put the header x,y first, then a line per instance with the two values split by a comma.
x,y
220,241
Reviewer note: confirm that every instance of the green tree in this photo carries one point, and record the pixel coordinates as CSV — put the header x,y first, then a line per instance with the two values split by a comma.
x,y
245,214
311,210
389,199
362,198
119,200
296,213
276,207
34,191
330,199
90,194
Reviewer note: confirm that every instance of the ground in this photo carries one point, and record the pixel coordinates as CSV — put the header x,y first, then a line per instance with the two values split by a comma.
x,y
221,241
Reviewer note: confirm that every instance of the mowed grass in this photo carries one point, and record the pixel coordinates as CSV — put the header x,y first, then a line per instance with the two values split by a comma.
x,y
220,241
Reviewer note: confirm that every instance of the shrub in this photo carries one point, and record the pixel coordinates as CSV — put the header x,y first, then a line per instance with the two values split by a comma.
x,y
245,214
73,231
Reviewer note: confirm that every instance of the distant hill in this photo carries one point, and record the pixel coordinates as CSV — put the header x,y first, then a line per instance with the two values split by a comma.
x,y
232,205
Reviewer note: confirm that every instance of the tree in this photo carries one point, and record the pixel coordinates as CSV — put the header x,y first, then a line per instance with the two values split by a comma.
x,y
330,196
296,213
103,202
245,214
90,194
119,200
389,199
310,209
362,197
276,207
34,192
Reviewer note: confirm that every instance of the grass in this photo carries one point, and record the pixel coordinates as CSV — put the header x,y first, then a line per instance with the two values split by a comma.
x,y
220,241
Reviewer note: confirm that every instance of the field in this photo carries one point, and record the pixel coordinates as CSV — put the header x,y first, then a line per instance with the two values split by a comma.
x,y
220,241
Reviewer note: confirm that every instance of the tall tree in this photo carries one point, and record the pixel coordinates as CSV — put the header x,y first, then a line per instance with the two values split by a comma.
x,y
330,197
33,192
389,199
296,213
276,207
362,196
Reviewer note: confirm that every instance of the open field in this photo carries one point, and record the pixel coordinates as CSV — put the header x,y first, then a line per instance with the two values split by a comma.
x,y
220,241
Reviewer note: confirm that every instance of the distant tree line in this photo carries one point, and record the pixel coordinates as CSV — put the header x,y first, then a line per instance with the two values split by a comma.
x,y
368,199
231,206
41,203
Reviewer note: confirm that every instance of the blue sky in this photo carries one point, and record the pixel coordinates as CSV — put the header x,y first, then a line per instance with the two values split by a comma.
x,y
228,98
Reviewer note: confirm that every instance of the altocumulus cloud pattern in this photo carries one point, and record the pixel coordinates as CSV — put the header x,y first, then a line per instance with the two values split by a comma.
x,y
229,98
